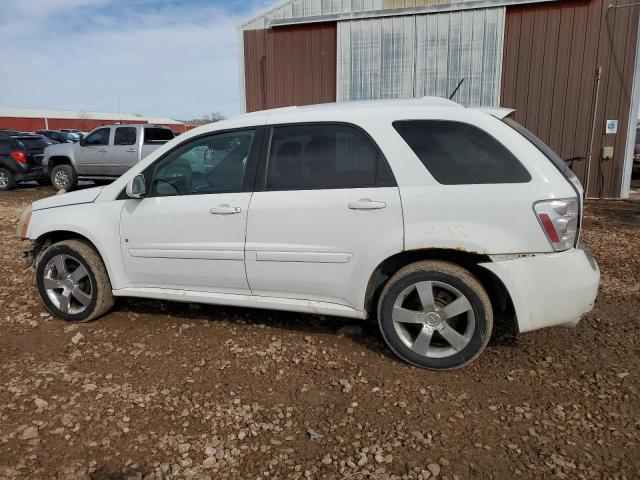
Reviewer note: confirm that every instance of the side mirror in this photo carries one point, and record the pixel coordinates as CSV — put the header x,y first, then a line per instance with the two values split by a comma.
x,y
137,187
81,141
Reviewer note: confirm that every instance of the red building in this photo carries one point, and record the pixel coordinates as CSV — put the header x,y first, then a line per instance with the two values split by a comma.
x,y
30,120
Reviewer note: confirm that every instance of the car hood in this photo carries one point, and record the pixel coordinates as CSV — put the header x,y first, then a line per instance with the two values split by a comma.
x,y
87,195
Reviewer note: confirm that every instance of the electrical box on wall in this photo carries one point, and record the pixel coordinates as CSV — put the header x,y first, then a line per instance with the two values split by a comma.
x,y
607,153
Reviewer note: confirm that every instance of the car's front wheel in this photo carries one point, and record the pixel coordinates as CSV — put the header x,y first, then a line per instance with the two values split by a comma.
x,y
7,180
64,177
435,315
73,281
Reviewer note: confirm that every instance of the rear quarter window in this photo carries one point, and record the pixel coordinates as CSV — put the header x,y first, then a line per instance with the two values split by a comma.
x,y
157,135
457,153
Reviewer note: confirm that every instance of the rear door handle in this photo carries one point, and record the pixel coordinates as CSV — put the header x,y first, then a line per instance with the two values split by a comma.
x,y
225,210
366,204
132,150
103,150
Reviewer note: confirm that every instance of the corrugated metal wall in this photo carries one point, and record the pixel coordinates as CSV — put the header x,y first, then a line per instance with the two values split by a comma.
x,y
552,53
418,55
308,8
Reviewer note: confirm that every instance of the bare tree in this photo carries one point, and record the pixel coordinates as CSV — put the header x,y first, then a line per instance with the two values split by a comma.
x,y
205,119
83,118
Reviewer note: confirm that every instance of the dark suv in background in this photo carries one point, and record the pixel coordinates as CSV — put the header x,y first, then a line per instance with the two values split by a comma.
x,y
21,159
60,136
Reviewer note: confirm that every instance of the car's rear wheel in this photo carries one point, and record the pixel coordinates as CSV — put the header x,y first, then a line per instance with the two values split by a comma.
x,y
64,177
73,282
7,180
435,315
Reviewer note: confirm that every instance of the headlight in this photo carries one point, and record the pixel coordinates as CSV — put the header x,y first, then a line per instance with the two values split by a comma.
x,y
23,224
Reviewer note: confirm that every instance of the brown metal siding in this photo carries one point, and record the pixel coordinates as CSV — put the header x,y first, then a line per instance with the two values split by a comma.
x,y
552,52
290,66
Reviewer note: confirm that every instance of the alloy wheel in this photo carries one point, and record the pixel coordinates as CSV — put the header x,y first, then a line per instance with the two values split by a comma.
x,y
68,284
433,319
61,179
4,179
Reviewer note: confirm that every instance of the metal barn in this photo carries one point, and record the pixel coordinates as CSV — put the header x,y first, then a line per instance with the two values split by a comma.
x,y
568,67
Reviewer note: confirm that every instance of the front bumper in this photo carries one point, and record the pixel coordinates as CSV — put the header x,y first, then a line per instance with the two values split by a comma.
x,y
549,289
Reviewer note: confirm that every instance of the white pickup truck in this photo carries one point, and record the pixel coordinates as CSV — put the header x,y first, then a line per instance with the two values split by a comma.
x,y
104,154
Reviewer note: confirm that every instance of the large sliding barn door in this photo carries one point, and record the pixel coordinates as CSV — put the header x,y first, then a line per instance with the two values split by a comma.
x,y
290,66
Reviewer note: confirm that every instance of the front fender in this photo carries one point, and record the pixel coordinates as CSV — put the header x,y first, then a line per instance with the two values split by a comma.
x,y
61,150
99,223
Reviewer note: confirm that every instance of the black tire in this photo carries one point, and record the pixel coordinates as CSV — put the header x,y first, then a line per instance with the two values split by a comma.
x,y
7,180
64,177
447,282
75,253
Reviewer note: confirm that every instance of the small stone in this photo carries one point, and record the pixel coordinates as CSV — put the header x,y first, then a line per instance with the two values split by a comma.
x,y
40,403
241,435
29,433
327,459
184,447
209,462
77,338
434,468
379,458
443,461
622,374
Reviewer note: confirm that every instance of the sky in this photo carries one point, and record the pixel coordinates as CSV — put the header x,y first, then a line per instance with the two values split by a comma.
x,y
175,58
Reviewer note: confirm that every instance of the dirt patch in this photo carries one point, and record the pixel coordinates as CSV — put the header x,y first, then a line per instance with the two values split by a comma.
x,y
167,390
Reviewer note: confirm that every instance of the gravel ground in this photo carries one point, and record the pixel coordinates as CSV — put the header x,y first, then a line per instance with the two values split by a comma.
x,y
165,390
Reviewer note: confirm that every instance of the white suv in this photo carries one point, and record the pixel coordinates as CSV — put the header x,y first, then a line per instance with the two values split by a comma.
x,y
431,218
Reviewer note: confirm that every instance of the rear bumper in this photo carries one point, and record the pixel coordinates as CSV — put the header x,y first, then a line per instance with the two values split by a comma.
x,y
34,173
547,290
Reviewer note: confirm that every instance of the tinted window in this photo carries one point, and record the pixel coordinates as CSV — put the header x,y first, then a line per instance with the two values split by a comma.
x,y
125,136
98,137
324,156
152,135
32,143
213,164
5,146
457,153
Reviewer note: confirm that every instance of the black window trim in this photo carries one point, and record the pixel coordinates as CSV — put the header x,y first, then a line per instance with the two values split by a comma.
x,y
109,139
250,172
115,132
261,176
393,124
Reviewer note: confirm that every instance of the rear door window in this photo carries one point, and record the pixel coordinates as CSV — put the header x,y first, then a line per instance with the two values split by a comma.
x,y
313,156
125,136
457,153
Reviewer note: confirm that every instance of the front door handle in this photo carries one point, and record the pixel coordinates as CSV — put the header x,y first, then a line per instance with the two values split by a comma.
x,y
366,204
103,150
225,210
132,150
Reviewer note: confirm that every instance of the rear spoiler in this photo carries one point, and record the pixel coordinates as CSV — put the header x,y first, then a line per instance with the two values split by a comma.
x,y
498,112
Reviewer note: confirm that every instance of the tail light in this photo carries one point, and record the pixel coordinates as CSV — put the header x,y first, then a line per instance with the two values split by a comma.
x,y
19,157
559,220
